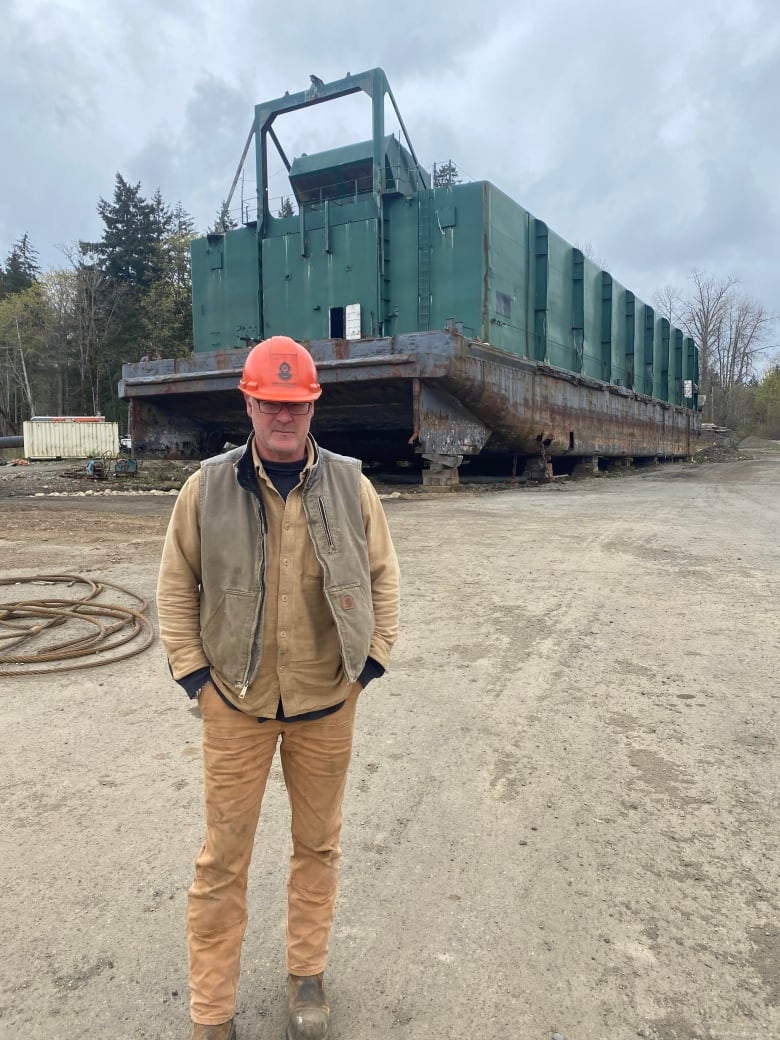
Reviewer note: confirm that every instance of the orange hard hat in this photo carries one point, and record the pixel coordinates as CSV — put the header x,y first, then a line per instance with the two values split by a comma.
x,y
279,369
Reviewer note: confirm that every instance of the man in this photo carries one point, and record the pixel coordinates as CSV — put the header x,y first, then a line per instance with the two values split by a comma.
x,y
278,603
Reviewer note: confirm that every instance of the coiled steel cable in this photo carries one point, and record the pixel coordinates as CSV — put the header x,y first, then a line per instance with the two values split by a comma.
x,y
27,628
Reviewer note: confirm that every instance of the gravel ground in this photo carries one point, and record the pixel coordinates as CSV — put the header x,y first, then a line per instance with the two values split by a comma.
x,y
562,813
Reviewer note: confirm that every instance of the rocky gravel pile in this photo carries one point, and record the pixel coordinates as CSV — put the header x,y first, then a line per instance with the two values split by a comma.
x,y
69,477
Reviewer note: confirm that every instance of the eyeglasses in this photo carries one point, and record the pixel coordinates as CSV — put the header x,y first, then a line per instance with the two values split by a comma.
x,y
293,407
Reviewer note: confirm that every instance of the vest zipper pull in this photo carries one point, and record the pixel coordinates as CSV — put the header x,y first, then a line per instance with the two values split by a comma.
x,y
325,524
243,691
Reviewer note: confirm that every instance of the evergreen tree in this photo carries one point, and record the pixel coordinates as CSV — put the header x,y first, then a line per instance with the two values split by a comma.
x,y
167,305
767,404
131,256
446,175
286,209
162,227
132,232
21,268
223,221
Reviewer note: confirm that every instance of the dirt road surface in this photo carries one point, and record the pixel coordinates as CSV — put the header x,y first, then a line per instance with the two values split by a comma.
x,y
563,809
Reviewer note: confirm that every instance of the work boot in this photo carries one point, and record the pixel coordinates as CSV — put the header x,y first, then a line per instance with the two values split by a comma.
x,y
309,1011
225,1031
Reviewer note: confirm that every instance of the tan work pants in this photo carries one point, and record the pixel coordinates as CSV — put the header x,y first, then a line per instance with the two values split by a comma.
x,y
237,755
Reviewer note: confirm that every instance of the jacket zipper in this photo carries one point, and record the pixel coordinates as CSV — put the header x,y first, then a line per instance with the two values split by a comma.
x,y
253,650
325,524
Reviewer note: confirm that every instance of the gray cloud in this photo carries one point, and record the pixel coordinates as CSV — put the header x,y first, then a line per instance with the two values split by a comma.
x,y
648,131
202,154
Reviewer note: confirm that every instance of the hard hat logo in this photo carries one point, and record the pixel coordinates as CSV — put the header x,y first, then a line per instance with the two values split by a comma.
x,y
279,369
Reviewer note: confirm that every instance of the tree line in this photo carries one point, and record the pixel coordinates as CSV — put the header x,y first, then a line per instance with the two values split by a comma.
x,y
733,333
65,333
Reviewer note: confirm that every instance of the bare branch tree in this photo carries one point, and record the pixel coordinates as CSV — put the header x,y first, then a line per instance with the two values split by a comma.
x,y
669,304
730,329
60,287
702,315
96,300
25,381
588,250
737,345
22,341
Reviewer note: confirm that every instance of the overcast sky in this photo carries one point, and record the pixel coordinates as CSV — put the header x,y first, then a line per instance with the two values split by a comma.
x,y
646,130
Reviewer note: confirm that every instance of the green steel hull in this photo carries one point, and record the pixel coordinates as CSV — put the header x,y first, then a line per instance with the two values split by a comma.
x,y
446,321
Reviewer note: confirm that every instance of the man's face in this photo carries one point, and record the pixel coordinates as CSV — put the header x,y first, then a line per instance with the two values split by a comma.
x,y
280,437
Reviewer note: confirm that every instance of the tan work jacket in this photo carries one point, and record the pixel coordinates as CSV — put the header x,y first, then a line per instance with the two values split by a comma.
x,y
281,599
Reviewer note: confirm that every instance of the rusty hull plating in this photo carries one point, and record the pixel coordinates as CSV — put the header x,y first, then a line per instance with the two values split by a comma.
x,y
432,394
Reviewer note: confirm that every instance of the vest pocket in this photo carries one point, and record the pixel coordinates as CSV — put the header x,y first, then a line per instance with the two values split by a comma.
x,y
227,631
353,613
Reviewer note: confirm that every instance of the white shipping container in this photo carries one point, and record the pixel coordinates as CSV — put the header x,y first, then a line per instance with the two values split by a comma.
x,y
69,438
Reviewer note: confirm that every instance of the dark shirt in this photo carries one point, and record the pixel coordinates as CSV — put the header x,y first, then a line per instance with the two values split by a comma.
x,y
284,475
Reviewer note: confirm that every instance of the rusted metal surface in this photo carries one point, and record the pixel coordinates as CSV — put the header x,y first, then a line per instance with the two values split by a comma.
x,y
443,426
438,390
